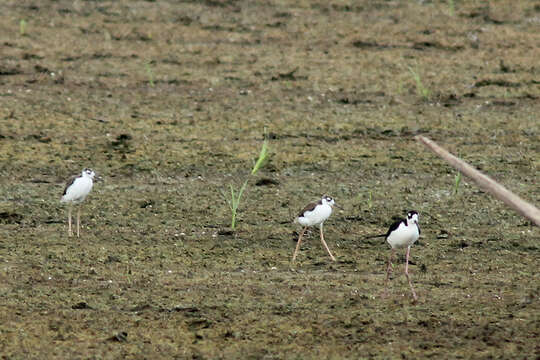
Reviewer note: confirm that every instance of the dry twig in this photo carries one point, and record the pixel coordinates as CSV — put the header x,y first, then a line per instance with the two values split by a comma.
x,y
485,182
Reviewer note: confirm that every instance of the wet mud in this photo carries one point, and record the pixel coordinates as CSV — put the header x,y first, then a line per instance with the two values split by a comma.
x,y
170,101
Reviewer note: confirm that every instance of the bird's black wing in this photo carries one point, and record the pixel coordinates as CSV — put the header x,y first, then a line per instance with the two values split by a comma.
x,y
309,207
69,183
394,226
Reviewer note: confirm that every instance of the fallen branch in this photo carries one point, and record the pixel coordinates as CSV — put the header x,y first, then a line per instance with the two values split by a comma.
x,y
485,182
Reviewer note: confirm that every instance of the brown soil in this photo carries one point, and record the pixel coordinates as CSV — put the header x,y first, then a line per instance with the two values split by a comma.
x,y
169,102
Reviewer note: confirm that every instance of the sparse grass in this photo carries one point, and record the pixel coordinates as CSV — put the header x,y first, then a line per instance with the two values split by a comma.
x,y
263,156
234,201
457,182
451,7
236,196
421,90
22,27
149,74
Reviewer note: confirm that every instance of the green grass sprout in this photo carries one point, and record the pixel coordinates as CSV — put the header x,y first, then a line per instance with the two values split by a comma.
x,y
234,202
235,196
22,27
263,156
150,74
421,90
451,7
457,181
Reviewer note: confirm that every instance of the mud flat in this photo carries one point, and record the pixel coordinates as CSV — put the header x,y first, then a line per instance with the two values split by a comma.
x,y
168,100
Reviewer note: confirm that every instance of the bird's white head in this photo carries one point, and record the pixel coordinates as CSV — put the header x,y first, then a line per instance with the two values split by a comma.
x,y
88,173
412,217
328,200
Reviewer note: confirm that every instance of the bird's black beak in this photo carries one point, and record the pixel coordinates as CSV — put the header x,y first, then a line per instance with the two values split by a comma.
x,y
99,178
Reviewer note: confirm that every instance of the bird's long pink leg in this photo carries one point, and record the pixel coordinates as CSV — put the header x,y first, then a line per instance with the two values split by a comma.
x,y
298,243
407,273
70,233
388,269
78,221
324,243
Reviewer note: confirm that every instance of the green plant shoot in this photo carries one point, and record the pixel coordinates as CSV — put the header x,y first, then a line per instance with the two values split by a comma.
x,y
234,200
421,90
263,155
451,7
457,181
149,74
22,27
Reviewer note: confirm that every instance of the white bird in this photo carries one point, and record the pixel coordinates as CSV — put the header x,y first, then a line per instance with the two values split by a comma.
x,y
402,233
315,214
77,188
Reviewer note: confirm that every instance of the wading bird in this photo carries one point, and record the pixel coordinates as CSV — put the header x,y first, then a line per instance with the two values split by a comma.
x,y
77,188
402,233
315,214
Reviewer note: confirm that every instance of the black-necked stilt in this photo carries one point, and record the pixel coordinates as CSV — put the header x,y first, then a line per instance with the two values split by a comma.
x,y
315,214
402,233
77,188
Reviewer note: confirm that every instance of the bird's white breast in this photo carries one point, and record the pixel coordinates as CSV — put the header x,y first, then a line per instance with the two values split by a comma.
x,y
78,191
403,236
316,216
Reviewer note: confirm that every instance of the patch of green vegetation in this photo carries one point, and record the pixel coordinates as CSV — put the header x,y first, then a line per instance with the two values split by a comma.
x,y
22,27
234,200
421,90
149,74
451,7
457,182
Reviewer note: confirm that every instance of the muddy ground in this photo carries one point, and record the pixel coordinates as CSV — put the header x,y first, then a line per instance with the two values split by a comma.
x,y
169,101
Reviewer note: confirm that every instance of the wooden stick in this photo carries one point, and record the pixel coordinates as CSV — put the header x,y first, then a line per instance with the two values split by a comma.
x,y
485,182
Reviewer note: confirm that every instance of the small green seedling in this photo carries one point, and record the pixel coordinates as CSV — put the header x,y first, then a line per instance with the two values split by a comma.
x,y
22,27
451,7
263,156
235,196
421,90
370,200
457,181
150,74
234,202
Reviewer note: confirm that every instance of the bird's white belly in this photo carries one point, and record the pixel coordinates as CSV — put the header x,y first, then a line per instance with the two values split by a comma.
x,y
78,191
315,217
403,236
